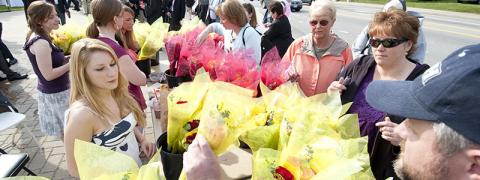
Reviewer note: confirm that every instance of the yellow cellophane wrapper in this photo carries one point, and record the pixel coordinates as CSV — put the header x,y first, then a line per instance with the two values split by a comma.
x,y
262,137
141,31
25,178
68,34
154,39
184,104
100,163
226,114
319,141
189,25
265,160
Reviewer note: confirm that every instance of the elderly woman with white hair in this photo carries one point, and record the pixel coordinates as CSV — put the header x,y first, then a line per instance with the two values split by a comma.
x,y
319,56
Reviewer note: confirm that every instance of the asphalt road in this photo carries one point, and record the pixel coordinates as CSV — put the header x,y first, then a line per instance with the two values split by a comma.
x,y
444,31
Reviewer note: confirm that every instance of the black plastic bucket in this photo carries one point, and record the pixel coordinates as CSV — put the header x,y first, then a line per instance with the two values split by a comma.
x,y
172,163
144,66
172,80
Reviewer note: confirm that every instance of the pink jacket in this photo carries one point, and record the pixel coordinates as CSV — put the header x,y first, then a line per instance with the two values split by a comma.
x,y
317,74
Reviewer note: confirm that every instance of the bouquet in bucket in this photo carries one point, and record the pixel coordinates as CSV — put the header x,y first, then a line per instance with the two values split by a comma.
x,y
150,38
100,163
274,70
322,143
224,119
188,48
173,46
141,30
184,105
209,55
268,121
239,68
66,35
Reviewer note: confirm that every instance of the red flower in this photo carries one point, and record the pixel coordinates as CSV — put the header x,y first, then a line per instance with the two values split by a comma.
x,y
194,124
190,138
181,102
282,173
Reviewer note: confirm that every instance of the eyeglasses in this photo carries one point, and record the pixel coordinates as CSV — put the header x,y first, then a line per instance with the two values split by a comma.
x,y
322,22
387,43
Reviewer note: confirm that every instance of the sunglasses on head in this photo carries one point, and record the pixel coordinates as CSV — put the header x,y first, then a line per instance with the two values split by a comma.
x,y
387,43
322,22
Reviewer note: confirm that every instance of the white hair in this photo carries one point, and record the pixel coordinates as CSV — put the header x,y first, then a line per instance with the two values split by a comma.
x,y
448,140
319,5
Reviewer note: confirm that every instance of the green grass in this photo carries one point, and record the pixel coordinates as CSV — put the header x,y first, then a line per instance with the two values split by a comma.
x,y
446,5
5,8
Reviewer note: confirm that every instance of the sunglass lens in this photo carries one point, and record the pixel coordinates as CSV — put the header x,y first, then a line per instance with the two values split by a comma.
x,y
374,43
313,23
388,43
323,22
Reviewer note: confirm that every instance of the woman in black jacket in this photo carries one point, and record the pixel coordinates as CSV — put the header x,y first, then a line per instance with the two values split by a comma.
x,y
393,35
280,31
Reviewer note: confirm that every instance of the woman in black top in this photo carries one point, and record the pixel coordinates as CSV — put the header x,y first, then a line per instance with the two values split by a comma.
x,y
280,31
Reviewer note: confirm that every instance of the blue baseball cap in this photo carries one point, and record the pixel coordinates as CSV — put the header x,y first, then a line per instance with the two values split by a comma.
x,y
447,92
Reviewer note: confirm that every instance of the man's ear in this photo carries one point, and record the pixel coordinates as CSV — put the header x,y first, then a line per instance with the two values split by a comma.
x,y
473,154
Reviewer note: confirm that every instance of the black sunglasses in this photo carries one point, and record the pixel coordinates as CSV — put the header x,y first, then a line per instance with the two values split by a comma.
x,y
387,43
315,22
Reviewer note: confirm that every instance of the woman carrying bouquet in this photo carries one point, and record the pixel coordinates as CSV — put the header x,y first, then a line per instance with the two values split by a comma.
x,y
50,66
127,40
107,21
318,56
234,26
393,37
101,109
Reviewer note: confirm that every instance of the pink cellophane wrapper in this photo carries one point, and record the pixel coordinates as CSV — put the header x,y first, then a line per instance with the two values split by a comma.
x,y
274,70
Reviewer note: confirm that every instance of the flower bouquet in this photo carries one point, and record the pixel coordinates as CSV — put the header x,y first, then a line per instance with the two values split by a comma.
x,y
66,35
239,69
153,39
224,119
317,145
274,70
141,31
100,163
209,55
184,105
188,48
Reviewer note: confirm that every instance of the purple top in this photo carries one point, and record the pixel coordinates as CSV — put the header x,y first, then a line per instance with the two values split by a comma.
x,y
58,59
134,90
367,115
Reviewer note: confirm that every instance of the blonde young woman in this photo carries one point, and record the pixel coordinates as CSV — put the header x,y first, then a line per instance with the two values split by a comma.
x,y
107,21
101,109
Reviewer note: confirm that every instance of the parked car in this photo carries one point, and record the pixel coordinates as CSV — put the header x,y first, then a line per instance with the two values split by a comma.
x,y
469,1
309,2
296,5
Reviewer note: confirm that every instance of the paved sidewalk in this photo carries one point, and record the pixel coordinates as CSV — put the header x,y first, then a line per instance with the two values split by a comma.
x,y
50,161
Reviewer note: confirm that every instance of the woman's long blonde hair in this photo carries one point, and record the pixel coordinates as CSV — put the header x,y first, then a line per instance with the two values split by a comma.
x,y
81,87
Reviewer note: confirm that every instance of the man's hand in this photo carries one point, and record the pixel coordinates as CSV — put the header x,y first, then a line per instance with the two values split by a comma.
x,y
199,162
68,13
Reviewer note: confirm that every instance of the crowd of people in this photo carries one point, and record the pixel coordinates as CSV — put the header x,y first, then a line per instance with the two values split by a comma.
x,y
417,118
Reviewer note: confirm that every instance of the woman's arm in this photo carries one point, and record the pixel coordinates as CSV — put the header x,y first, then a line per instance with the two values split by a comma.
x,y
146,147
42,51
131,72
212,28
253,41
79,126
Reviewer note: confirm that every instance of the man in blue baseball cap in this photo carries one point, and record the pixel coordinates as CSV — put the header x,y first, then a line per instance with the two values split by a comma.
x,y
441,135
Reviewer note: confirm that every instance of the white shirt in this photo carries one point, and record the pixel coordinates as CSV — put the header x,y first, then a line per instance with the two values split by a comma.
x,y
252,39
